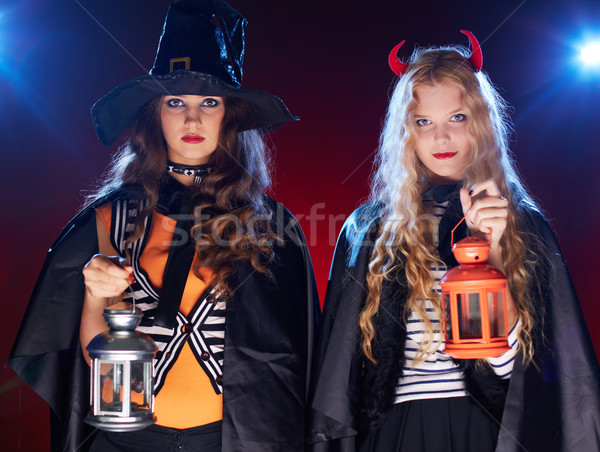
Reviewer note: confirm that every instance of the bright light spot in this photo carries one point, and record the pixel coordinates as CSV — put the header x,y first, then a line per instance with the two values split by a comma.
x,y
590,54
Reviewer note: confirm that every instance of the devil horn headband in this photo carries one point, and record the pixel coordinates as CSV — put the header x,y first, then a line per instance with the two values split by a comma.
x,y
476,55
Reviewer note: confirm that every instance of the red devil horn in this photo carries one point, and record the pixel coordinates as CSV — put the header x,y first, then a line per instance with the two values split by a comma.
x,y
395,64
476,54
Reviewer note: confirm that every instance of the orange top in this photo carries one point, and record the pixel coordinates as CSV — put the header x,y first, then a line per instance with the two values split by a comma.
x,y
187,398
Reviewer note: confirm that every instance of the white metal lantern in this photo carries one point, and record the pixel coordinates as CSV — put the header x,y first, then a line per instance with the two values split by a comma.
x,y
121,395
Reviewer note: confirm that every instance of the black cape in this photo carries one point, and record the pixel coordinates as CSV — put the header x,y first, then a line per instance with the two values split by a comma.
x,y
554,407
268,340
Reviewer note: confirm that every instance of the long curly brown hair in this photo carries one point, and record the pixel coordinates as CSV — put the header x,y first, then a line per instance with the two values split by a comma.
x,y
400,178
231,220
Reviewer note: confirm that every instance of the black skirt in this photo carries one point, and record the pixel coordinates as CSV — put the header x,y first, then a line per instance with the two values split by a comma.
x,y
456,424
206,438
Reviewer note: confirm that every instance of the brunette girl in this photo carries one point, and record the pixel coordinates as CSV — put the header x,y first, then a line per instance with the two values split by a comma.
x,y
182,226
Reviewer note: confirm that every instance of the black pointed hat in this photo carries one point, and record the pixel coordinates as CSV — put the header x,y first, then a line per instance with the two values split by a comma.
x,y
201,51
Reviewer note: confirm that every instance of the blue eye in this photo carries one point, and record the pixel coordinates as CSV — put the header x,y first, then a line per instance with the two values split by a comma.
x,y
210,102
175,102
423,122
458,117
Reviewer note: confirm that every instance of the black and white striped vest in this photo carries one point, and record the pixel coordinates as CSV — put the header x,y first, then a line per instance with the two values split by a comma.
x,y
203,329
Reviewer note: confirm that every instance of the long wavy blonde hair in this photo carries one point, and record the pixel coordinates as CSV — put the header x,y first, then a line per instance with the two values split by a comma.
x,y
405,234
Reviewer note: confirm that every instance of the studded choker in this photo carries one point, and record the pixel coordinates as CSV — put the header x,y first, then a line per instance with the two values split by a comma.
x,y
197,171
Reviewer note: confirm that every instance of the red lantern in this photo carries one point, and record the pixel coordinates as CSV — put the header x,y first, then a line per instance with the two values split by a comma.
x,y
474,303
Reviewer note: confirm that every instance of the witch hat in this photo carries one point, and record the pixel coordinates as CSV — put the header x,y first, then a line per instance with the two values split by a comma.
x,y
201,51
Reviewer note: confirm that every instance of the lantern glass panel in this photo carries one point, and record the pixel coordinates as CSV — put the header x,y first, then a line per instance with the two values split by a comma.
x,y
140,377
496,312
447,317
469,315
112,387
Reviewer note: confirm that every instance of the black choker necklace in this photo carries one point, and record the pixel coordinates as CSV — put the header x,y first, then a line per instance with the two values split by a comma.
x,y
197,171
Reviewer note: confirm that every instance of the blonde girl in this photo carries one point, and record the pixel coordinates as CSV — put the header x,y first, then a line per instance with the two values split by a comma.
x,y
382,380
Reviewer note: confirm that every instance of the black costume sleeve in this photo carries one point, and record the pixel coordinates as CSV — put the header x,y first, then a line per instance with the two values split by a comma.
x,y
270,327
333,423
556,405
47,353
552,407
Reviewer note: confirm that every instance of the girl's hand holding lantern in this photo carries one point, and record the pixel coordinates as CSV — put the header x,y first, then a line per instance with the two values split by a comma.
x,y
107,276
487,214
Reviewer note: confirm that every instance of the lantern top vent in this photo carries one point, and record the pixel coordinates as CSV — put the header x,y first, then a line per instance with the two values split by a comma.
x,y
122,320
122,339
471,250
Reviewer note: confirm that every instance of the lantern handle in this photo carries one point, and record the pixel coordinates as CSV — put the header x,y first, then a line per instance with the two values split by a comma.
x,y
458,224
132,298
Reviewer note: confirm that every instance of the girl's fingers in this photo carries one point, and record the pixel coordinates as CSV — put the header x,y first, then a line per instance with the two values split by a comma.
x,y
108,265
487,214
106,277
494,224
112,265
101,289
465,200
101,277
488,185
490,201
487,208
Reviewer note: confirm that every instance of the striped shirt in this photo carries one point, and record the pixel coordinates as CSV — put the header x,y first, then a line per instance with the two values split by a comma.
x,y
436,375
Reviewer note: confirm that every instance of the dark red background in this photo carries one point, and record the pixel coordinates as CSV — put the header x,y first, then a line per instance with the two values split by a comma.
x,y
328,61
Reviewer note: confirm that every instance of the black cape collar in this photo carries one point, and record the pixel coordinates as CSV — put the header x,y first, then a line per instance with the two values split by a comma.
x,y
440,193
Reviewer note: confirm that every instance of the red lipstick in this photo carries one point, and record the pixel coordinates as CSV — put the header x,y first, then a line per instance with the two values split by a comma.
x,y
192,139
445,155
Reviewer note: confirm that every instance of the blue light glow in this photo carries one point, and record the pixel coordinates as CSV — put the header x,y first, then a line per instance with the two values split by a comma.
x,y
590,54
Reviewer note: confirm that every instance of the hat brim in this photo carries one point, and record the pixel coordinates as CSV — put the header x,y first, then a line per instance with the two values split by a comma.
x,y
116,111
